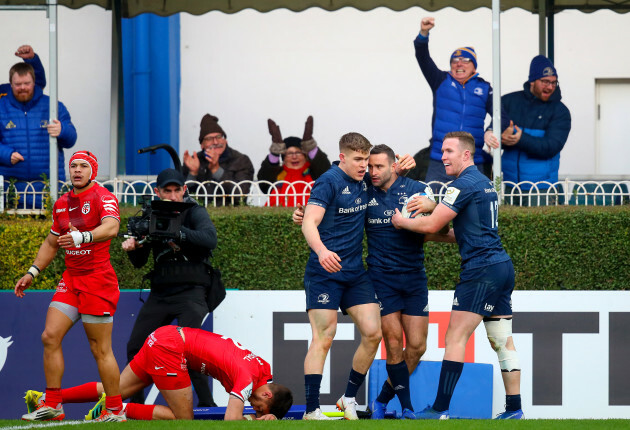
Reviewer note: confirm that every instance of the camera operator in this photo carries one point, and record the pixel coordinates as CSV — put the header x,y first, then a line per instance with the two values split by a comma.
x,y
180,276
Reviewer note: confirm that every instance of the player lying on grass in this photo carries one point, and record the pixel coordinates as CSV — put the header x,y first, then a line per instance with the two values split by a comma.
x,y
164,360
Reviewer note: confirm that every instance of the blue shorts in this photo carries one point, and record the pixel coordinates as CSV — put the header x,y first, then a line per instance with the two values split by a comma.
x,y
337,290
486,290
406,292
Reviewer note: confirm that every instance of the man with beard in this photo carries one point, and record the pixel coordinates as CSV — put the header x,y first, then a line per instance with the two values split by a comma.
x,y
396,268
539,129
486,281
25,130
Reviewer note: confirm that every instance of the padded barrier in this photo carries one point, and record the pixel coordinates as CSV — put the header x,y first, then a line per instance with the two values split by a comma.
x,y
472,397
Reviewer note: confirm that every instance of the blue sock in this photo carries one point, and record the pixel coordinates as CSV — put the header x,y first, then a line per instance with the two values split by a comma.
x,y
354,382
399,375
513,402
387,393
449,375
312,383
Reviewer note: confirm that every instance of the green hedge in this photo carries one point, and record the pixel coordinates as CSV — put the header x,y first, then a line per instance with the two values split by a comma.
x,y
572,248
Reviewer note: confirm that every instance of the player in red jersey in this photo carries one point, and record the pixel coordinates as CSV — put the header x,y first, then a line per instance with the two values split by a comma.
x,y
164,360
84,222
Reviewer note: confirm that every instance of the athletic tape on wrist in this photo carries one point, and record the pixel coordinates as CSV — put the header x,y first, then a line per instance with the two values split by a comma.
x,y
248,417
87,236
33,271
81,237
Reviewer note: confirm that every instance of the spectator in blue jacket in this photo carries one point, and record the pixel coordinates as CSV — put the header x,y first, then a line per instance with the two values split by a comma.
x,y
25,131
29,56
461,101
540,128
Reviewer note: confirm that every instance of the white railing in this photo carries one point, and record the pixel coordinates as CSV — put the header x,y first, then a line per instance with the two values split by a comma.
x,y
567,192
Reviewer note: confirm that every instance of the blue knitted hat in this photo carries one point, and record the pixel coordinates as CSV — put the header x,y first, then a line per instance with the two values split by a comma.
x,y
466,52
540,67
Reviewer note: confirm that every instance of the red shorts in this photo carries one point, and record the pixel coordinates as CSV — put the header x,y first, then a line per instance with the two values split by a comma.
x,y
96,293
161,360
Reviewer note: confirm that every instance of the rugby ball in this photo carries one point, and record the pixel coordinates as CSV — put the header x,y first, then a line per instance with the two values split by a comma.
x,y
427,193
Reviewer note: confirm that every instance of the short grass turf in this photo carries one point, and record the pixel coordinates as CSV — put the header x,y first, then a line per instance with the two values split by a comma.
x,y
346,425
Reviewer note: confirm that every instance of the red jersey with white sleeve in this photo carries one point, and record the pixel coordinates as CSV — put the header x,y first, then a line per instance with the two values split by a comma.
x,y
239,370
85,211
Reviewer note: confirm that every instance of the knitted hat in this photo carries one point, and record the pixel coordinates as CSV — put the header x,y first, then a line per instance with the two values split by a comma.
x,y
170,176
466,52
209,124
89,158
293,141
540,67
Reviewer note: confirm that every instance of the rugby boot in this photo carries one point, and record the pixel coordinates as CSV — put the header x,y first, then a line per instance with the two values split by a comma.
x,y
429,413
377,409
33,400
316,415
45,413
511,415
348,407
108,416
407,414
95,412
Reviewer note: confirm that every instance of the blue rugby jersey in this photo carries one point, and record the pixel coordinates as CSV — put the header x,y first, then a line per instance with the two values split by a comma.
x,y
341,229
389,249
473,197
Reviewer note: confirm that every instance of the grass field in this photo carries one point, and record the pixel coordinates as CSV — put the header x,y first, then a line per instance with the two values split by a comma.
x,y
349,425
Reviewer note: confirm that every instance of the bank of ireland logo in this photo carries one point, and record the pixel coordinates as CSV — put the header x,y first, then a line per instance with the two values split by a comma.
x,y
389,213
358,201
86,208
323,298
5,343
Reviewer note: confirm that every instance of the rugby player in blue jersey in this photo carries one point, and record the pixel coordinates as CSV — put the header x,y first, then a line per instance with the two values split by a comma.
x,y
395,266
335,277
486,279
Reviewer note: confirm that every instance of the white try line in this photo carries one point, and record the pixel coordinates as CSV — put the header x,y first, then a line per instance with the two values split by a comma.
x,y
46,425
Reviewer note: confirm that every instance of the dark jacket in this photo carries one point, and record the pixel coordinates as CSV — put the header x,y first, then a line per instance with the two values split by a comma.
x,y
234,166
546,126
270,171
456,107
199,238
